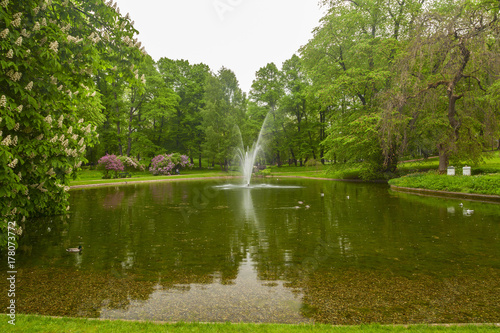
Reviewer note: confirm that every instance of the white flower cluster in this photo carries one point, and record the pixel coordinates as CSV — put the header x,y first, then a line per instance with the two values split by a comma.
x,y
51,172
95,38
4,3
72,39
16,23
70,130
7,141
20,108
44,22
81,142
71,152
40,187
29,86
66,28
14,76
19,41
36,27
16,127
13,164
40,137
4,33
54,46
25,33
3,101
60,121
48,119
10,54
54,139
131,42
86,129
53,80
36,10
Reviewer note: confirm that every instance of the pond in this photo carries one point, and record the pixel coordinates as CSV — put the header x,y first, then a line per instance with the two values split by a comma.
x,y
287,251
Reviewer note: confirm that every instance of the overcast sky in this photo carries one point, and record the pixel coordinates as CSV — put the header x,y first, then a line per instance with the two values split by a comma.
x,y
242,35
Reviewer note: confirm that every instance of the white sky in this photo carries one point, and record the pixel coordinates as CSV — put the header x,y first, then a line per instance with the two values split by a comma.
x,y
242,35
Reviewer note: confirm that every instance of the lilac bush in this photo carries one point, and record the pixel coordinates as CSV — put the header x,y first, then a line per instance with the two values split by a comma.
x,y
110,163
131,164
166,164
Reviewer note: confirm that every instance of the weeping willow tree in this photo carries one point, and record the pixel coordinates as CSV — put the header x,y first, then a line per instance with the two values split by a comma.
x,y
443,96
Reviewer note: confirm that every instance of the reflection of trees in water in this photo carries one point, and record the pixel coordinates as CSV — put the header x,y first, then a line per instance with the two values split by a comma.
x,y
370,257
113,200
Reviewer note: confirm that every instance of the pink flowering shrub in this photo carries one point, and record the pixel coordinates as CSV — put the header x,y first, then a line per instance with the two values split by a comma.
x,y
109,164
131,164
168,164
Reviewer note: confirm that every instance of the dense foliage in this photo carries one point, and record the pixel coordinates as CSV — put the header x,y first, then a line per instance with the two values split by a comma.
x,y
50,106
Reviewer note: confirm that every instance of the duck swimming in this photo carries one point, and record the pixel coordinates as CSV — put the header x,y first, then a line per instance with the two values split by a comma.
x,y
74,249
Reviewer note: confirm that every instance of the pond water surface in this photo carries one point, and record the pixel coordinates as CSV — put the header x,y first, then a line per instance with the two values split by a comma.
x,y
203,251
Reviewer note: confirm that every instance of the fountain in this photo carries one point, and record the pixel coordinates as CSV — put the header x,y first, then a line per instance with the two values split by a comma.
x,y
247,160
247,157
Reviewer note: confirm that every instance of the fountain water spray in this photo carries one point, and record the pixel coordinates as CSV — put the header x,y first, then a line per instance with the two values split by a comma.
x,y
247,158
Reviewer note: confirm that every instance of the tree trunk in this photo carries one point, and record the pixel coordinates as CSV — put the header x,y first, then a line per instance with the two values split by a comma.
x,y
443,159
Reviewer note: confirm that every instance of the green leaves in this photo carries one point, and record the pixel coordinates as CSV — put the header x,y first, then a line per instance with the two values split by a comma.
x,y
50,105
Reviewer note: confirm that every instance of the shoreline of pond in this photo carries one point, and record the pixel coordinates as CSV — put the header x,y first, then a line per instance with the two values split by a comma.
x,y
417,191
447,194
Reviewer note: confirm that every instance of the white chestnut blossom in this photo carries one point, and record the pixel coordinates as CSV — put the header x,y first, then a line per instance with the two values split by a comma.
x,y
19,41
7,141
3,101
54,46
16,23
13,164
4,33
29,86
10,54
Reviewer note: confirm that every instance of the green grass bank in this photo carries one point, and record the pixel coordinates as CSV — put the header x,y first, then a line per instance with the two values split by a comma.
x,y
33,324
420,174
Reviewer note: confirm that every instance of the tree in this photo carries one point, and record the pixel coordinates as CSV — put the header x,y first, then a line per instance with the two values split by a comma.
x,y
224,109
349,61
267,90
49,105
446,75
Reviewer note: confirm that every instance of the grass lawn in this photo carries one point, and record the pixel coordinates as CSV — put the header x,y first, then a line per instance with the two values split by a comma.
x,y
32,323
87,176
420,174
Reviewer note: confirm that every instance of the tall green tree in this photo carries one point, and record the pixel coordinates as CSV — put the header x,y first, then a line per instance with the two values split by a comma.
x,y
267,91
189,82
349,61
445,81
225,108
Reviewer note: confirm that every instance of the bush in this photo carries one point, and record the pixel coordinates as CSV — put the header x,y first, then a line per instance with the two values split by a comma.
x,y
109,164
167,164
131,164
